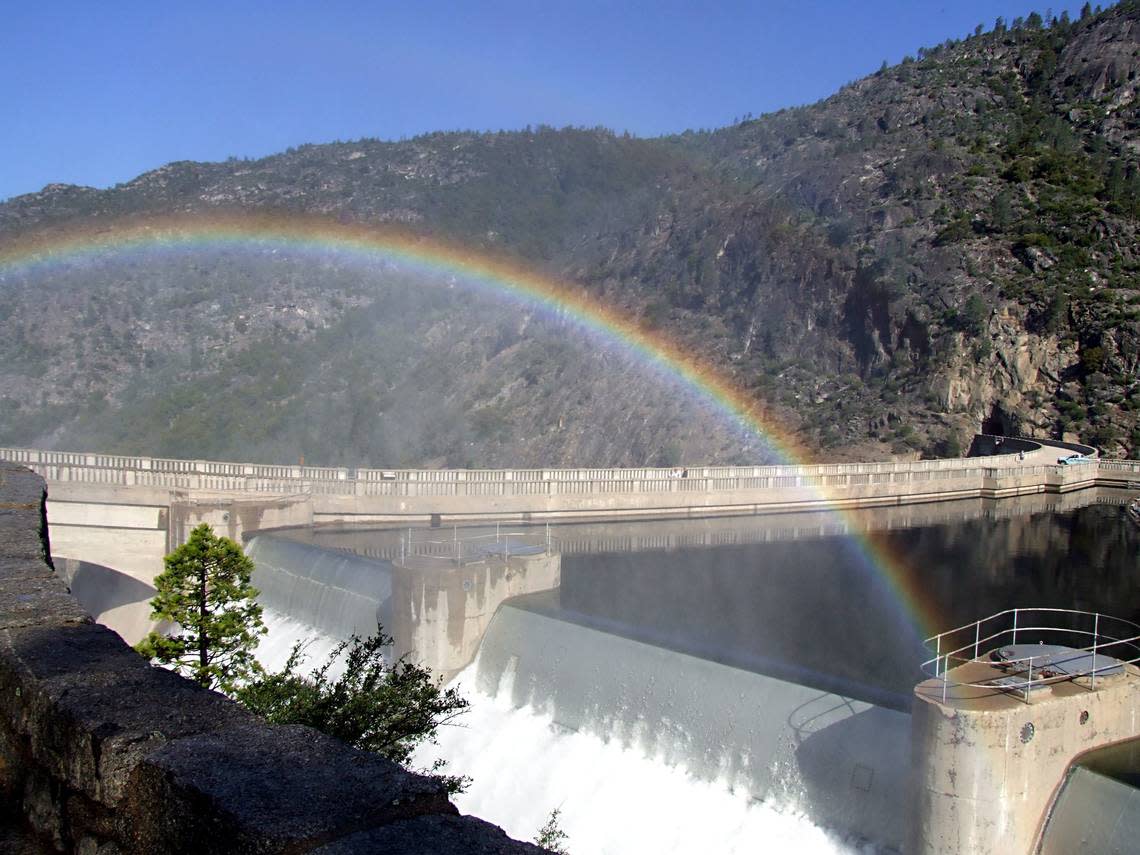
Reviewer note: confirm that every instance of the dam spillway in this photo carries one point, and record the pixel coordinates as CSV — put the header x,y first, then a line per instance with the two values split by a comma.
x,y
435,609
843,761
744,666
337,593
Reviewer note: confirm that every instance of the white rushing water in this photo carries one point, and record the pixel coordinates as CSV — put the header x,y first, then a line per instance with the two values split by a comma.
x,y
283,632
613,800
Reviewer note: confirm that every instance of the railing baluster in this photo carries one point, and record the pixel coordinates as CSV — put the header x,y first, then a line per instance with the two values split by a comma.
x,y
1096,637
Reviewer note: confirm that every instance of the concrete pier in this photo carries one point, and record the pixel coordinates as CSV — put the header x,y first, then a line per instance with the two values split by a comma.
x,y
436,609
988,763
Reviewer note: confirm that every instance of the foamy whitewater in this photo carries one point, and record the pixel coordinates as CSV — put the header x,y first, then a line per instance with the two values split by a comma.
x,y
283,632
613,800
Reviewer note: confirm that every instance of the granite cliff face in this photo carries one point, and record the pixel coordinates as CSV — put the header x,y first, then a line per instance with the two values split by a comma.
x,y
1009,388
943,246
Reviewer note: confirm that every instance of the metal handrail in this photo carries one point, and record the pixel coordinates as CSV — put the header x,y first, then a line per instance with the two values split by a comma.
x,y
453,548
941,663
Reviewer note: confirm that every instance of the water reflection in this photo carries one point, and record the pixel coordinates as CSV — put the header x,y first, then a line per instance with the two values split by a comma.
x,y
794,595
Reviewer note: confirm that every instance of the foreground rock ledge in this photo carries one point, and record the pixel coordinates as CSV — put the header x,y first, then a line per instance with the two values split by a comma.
x,y
100,752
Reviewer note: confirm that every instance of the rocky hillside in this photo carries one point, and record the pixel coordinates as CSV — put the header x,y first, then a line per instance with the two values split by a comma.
x,y
943,246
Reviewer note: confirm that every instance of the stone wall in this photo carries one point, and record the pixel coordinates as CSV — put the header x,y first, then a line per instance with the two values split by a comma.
x,y
102,753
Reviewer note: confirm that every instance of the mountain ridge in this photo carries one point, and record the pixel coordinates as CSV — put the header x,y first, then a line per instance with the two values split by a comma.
x,y
941,247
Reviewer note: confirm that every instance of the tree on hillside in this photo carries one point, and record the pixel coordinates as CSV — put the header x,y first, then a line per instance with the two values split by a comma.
x,y
376,705
205,593
974,314
551,837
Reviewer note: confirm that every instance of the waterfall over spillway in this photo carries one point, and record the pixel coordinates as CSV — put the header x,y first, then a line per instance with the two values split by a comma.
x,y
643,743
614,800
335,592
283,632
315,596
567,715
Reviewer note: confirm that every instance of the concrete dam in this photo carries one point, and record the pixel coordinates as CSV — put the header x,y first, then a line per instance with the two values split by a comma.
x,y
626,650
126,512
614,641
522,633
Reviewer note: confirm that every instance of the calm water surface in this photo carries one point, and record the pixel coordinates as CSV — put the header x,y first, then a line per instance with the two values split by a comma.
x,y
796,596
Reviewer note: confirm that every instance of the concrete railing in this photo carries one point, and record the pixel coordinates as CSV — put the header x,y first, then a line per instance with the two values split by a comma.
x,y
99,751
206,475
127,512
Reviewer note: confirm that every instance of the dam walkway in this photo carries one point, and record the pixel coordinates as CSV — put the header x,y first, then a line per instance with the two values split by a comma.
x,y
126,512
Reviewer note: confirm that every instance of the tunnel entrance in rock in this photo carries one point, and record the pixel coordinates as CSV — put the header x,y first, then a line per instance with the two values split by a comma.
x,y
1001,422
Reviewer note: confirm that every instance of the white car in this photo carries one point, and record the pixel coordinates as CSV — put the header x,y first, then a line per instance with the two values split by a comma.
x,y
1070,459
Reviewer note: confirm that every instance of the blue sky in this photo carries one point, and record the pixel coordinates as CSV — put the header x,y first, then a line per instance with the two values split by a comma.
x,y
96,93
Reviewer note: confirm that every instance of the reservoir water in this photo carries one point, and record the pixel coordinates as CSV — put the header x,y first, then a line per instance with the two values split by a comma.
x,y
721,685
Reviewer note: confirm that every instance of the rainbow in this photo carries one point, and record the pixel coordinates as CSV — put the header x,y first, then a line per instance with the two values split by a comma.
x,y
499,276
502,277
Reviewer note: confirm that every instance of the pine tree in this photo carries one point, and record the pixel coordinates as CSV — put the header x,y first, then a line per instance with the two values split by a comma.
x,y
551,837
205,592
388,707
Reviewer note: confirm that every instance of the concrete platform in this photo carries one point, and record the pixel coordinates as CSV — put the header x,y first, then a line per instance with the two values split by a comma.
x,y
989,760
961,689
